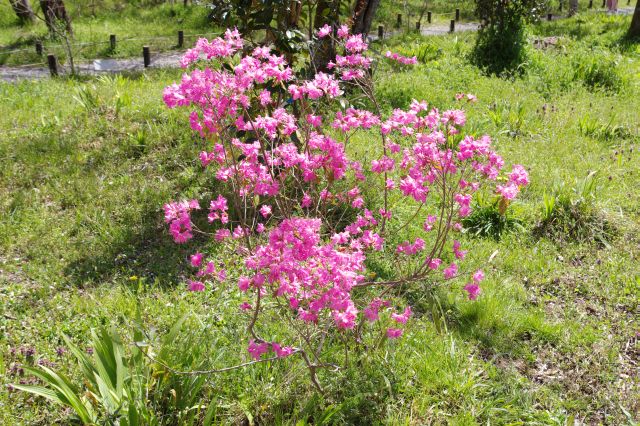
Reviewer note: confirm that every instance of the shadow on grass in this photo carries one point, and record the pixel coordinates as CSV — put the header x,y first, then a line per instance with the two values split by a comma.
x,y
148,252
499,326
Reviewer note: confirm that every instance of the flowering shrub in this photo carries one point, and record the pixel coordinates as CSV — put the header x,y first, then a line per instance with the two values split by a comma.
x,y
285,162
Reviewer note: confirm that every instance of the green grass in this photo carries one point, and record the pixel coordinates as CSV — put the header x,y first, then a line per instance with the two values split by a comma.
x,y
134,26
86,166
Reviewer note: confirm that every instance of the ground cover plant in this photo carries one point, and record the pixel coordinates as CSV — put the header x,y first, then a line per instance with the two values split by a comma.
x,y
552,338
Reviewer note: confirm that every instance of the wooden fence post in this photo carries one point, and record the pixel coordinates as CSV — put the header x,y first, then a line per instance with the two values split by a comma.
x,y
39,47
418,25
452,25
457,15
429,17
549,16
53,65
112,42
399,21
146,54
180,38
380,31
590,4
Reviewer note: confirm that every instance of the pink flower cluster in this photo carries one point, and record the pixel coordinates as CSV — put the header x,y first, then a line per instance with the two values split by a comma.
x,y
287,179
404,60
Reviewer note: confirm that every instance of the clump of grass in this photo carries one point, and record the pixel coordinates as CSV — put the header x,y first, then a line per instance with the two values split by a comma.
x,y
491,219
572,216
598,70
608,131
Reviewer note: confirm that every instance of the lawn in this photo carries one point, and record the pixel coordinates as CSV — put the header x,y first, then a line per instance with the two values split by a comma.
x,y
87,164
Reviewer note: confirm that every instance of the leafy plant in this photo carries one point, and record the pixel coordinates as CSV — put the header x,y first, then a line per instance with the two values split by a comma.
x,y
116,384
491,218
608,131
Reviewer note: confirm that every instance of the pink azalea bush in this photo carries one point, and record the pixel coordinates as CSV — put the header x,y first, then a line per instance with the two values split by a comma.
x,y
285,162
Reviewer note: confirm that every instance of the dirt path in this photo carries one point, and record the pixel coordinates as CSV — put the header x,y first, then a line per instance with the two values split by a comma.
x,y
171,59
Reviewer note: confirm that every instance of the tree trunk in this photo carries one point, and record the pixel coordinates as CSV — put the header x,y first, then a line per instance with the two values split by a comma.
x,y
363,14
327,12
634,31
54,10
23,10
573,7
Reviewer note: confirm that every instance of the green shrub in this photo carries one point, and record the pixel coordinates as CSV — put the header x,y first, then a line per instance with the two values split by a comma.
x,y
500,46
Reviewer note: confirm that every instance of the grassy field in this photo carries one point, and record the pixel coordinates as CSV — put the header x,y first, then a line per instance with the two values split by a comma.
x,y
133,25
555,337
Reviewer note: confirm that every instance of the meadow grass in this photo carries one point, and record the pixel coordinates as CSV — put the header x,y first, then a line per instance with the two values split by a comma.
x,y
87,164
134,26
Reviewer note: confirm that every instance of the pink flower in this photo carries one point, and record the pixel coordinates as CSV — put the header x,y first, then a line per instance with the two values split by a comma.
x,y
343,31
196,260
403,317
473,289
434,263
324,31
265,210
519,175
459,254
243,284
245,306
509,191
451,271
314,120
281,352
195,285
257,349
221,234
394,333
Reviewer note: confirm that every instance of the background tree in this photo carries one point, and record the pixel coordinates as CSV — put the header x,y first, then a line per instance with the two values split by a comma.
x,y
634,30
55,13
327,12
501,42
23,10
363,14
573,7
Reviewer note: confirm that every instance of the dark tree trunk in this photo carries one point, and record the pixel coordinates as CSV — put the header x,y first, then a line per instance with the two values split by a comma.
x,y
363,14
634,30
23,10
327,12
54,11
573,7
